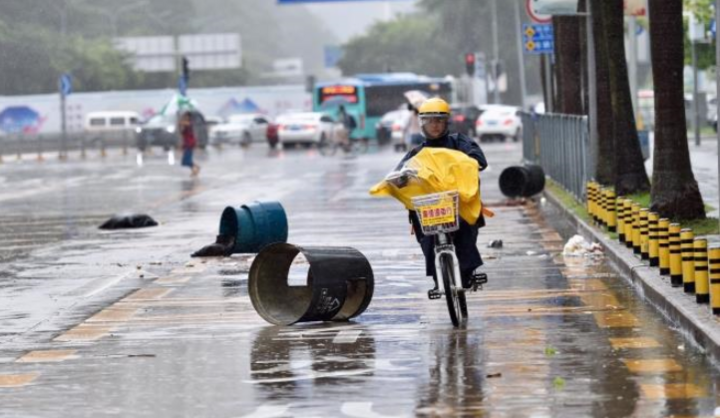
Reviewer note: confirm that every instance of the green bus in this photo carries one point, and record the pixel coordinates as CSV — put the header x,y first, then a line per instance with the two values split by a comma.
x,y
367,97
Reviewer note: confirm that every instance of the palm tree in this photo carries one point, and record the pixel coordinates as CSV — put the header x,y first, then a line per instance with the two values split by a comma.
x,y
569,65
675,192
630,174
605,161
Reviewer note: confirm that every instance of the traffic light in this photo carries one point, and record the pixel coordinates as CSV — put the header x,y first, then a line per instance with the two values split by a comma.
x,y
470,63
186,69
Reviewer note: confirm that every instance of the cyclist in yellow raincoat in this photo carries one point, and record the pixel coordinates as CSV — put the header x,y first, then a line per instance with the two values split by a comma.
x,y
434,117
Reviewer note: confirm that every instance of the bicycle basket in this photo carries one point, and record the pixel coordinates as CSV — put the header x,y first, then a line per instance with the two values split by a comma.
x,y
437,212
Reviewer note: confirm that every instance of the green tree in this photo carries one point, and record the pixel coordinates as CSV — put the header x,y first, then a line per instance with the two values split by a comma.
x,y
675,191
399,45
630,174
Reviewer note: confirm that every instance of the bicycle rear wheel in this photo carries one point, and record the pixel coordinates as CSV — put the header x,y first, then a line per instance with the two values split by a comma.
x,y
327,147
457,306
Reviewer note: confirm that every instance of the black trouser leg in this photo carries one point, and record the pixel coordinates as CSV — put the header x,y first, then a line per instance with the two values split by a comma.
x,y
465,240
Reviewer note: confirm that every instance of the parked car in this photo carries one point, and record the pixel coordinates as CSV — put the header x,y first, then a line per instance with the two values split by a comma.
x,y
161,130
304,128
390,128
499,122
464,117
241,129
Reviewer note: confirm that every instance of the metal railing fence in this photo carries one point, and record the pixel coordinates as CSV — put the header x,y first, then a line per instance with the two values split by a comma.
x,y
560,144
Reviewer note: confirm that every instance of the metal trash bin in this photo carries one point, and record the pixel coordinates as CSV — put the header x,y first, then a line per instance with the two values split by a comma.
x,y
339,284
522,181
254,226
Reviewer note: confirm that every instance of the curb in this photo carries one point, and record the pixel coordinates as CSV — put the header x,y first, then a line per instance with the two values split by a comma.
x,y
696,322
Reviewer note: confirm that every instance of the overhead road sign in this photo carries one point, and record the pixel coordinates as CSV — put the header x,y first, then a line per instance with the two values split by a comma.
x,y
538,39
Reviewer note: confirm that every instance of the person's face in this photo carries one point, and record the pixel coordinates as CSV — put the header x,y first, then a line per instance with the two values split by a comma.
x,y
435,127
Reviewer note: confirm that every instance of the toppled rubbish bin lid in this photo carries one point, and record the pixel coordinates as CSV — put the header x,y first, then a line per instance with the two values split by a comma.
x,y
338,286
222,247
128,221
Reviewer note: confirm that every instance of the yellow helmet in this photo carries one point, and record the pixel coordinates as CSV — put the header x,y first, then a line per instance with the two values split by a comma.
x,y
435,107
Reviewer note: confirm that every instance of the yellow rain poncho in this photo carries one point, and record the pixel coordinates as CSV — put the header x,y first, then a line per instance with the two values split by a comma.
x,y
440,170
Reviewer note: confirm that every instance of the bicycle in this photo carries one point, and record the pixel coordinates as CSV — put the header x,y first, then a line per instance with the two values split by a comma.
x,y
439,217
353,146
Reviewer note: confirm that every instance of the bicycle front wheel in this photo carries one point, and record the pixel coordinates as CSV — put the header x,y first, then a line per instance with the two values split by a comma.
x,y
457,306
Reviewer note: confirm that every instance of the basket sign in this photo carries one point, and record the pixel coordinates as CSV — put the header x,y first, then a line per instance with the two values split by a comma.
x,y
443,212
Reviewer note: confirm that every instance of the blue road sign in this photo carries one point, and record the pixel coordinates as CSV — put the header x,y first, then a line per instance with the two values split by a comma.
x,y
538,39
65,84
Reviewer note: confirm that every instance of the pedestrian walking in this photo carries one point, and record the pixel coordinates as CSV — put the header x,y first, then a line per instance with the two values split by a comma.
x,y
189,142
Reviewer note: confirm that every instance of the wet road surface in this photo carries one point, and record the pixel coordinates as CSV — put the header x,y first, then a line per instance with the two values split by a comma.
x,y
96,323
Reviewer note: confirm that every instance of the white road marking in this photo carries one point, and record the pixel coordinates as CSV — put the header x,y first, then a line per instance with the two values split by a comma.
x,y
268,411
363,410
312,376
347,337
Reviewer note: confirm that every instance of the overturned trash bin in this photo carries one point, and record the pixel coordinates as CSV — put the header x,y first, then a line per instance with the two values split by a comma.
x,y
339,284
522,181
254,226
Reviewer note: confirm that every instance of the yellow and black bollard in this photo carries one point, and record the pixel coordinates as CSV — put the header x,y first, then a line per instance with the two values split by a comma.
x,y
628,223
636,228
611,211
664,246
620,205
601,212
653,241
702,283
714,268
687,239
591,200
644,235
676,278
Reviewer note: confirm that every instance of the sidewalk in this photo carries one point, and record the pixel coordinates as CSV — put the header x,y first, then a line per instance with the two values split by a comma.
x,y
704,160
695,321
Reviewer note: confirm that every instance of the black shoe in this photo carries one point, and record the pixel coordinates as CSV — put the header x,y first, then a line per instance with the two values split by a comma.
x,y
475,280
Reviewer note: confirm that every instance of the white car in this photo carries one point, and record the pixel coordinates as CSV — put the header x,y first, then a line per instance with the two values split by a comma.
x,y
241,129
304,128
499,122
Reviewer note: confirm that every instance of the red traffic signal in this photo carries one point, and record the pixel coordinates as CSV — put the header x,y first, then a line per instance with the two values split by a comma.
x,y
470,63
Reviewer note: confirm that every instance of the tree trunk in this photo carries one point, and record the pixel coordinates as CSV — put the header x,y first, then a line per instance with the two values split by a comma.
x,y
630,174
605,164
675,192
568,55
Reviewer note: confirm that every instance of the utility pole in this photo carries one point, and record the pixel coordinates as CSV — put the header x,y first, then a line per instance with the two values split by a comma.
x,y
521,57
592,93
633,63
696,33
496,53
